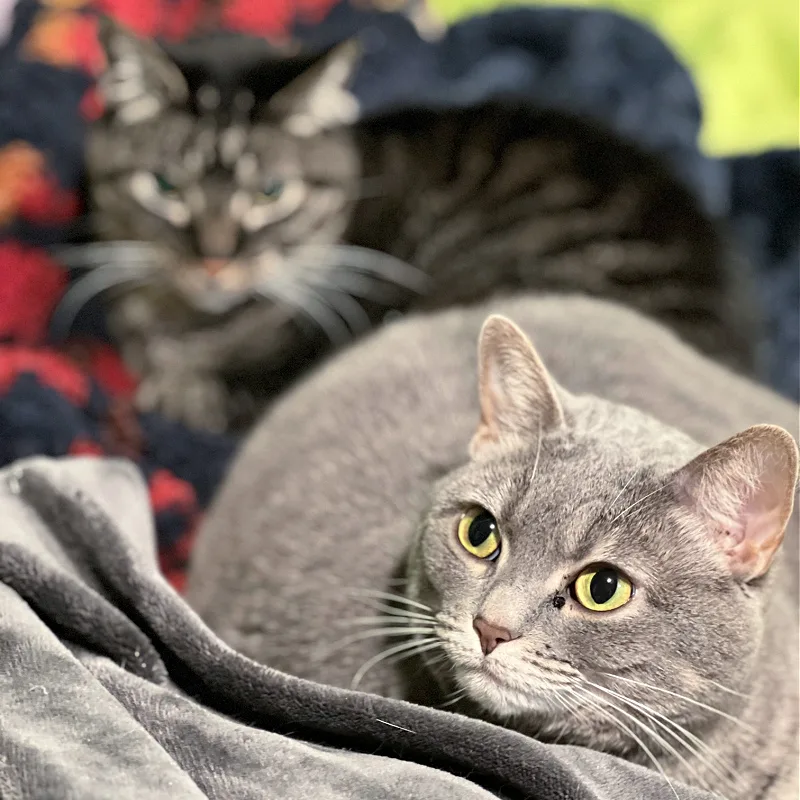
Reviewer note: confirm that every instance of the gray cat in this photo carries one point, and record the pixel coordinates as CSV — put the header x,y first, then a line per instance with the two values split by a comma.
x,y
567,549
255,222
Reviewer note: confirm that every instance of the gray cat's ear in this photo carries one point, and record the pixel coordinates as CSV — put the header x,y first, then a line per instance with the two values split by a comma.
x,y
319,98
140,80
518,398
743,492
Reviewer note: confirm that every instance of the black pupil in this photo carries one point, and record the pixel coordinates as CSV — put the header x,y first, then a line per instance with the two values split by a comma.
x,y
603,585
481,528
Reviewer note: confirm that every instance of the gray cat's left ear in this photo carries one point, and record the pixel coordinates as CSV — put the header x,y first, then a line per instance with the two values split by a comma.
x,y
140,80
517,396
743,493
320,98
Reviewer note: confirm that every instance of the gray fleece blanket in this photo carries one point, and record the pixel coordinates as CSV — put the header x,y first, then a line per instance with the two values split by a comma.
x,y
111,687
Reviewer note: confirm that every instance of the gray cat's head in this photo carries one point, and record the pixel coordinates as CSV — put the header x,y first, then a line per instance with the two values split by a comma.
x,y
589,566
223,155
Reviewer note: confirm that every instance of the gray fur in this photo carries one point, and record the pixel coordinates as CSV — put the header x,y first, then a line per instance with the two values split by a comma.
x,y
416,209
355,478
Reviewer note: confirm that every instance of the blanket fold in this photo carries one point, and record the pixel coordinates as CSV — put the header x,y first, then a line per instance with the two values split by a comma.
x,y
109,679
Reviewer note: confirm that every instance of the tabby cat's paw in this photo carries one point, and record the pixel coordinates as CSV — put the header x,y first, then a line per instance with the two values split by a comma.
x,y
197,400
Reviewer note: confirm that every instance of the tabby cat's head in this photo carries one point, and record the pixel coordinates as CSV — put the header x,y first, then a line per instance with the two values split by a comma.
x,y
223,155
591,570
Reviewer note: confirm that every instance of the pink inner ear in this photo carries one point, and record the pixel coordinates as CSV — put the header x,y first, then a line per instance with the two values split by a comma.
x,y
745,494
751,538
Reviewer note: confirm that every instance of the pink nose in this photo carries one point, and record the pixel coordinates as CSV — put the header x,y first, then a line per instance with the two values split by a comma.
x,y
491,636
215,265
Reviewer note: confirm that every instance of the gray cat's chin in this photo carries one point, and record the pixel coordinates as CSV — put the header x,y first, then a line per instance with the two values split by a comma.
x,y
504,692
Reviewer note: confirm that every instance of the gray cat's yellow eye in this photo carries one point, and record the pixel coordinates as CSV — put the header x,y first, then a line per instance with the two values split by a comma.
x,y
479,534
163,183
273,189
601,587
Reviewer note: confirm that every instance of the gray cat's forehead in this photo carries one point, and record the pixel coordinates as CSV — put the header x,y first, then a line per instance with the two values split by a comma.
x,y
594,491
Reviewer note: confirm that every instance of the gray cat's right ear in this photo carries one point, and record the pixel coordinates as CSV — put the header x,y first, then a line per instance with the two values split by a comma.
x,y
320,98
742,494
518,399
139,80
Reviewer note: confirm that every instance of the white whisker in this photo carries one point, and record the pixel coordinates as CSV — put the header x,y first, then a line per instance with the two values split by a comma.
x,y
407,631
353,315
660,740
329,323
395,598
683,697
633,505
622,490
538,452
376,262
87,288
388,620
377,605
720,769
407,649
592,701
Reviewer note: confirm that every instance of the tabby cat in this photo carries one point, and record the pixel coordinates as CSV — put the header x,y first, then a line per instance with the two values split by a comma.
x,y
254,221
598,565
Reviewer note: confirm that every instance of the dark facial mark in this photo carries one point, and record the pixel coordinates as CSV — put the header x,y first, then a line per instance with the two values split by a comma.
x,y
559,601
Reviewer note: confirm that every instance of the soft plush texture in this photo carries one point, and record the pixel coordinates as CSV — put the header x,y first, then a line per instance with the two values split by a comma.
x,y
112,687
58,399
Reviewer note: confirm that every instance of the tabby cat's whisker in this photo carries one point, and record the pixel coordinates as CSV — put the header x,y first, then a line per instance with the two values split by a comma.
x,y
290,293
86,289
592,701
354,316
361,286
396,598
376,262
111,254
407,649
683,697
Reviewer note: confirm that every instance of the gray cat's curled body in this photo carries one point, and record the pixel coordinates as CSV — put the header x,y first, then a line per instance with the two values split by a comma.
x,y
255,223
377,467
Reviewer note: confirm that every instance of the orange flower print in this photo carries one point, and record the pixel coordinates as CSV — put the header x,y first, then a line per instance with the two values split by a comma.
x,y
64,5
65,39
20,166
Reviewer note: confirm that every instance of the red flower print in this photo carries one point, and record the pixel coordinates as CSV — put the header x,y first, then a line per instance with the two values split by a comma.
x,y
31,285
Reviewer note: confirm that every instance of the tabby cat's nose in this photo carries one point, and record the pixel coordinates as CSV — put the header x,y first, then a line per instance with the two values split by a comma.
x,y
490,635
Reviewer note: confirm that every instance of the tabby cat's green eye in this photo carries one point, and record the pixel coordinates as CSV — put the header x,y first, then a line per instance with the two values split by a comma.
x,y
479,535
601,587
273,189
164,185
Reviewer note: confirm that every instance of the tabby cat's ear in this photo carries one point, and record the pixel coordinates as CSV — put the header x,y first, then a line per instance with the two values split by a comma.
x,y
140,80
742,491
518,399
319,98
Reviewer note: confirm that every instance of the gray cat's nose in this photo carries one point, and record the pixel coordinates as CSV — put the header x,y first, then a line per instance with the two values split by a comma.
x,y
490,635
